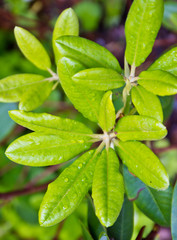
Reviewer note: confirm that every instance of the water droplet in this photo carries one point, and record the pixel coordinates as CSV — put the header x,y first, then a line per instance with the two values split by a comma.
x,y
80,166
80,141
83,179
66,180
65,207
136,166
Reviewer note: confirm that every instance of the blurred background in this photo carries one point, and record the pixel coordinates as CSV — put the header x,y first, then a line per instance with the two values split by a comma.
x,y
21,187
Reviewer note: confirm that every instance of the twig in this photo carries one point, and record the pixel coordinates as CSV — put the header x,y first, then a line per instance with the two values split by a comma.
x,y
137,195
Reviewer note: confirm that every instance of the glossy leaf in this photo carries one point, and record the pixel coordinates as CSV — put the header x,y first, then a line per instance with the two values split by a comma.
x,y
87,52
103,236
174,214
95,227
85,100
141,28
167,62
107,114
35,96
12,88
67,191
142,162
146,103
66,24
102,79
140,128
153,203
32,48
42,149
108,188
85,232
47,123
158,82
123,227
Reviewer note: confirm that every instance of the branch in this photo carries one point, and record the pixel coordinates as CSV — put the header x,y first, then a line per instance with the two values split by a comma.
x,y
25,191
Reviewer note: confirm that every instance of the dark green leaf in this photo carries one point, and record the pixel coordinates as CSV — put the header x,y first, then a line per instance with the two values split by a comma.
x,y
174,214
123,227
155,204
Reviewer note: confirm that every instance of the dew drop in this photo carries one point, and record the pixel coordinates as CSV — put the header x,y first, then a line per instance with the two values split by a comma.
x,y
66,180
80,166
80,141
83,179
136,166
65,207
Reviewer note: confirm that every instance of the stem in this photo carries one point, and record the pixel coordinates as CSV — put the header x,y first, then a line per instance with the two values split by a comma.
x,y
54,75
127,70
132,72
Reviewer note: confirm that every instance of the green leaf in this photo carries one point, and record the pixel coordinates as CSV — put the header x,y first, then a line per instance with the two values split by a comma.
x,y
85,100
35,96
123,227
12,88
67,191
174,214
108,188
87,52
47,123
95,227
167,62
107,114
42,149
142,162
103,236
158,82
146,103
6,124
32,48
140,128
141,28
110,79
153,203
66,24
85,232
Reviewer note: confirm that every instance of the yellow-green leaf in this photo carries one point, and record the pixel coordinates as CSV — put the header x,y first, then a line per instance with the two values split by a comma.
x,y
108,188
107,114
42,149
140,128
85,100
32,48
141,28
47,123
66,24
89,53
102,79
67,191
146,103
158,82
143,163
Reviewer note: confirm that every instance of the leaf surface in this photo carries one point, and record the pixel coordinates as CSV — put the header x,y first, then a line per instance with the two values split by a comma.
x,y
66,24
42,149
158,82
108,188
123,227
143,163
85,100
107,114
47,123
35,96
141,28
12,88
87,52
167,62
32,48
174,214
101,79
67,191
146,103
140,128
153,203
